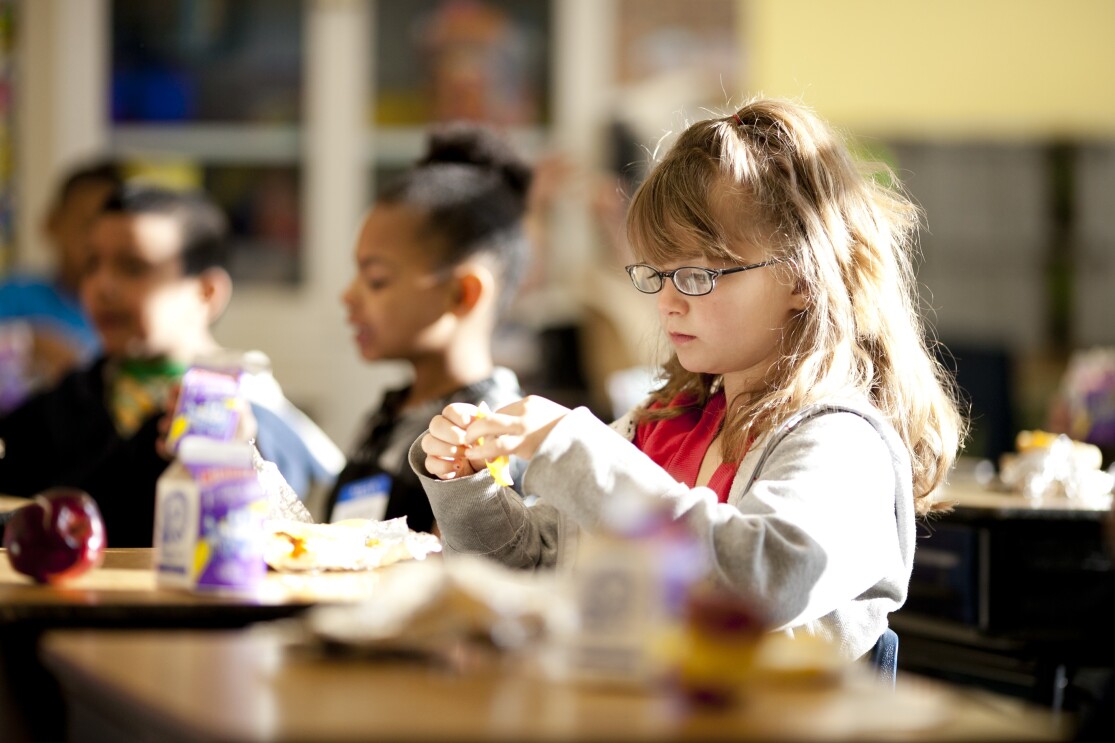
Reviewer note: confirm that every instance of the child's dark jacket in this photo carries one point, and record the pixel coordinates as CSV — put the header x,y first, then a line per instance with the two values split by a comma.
x,y
66,436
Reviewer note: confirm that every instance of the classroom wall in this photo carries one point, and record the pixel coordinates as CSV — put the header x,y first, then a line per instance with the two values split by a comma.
x,y
941,69
998,117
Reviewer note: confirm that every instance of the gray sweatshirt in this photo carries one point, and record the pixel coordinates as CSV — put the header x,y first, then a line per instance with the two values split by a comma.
x,y
823,538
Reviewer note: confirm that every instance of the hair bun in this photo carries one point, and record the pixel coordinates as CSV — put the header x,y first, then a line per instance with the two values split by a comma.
x,y
467,143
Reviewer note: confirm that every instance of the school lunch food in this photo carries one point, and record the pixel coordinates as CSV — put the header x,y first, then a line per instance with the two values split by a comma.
x,y
352,544
500,467
1047,464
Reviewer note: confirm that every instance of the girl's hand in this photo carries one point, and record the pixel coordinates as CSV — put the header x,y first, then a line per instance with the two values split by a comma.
x,y
447,454
517,429
453,447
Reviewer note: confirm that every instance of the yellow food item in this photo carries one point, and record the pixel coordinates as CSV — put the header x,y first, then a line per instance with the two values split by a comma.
x,y
1087,456
297,544
1029,440
351,544
500,467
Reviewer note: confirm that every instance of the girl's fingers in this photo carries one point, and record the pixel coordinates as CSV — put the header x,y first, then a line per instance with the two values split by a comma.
x,y
453,421
436,447
516,429
460,413
474,435
441,468
445,461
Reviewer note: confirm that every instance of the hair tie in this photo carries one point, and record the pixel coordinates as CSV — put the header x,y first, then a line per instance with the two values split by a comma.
x,y
737,118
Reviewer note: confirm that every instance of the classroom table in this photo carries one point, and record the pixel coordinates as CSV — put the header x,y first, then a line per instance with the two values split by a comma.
x,y
120,595
1010,593
267,683
122,592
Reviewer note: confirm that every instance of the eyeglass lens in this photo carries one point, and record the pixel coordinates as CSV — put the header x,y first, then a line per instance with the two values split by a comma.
x,y
693,281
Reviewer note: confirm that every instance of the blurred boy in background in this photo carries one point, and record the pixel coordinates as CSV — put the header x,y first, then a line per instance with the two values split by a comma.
x,y
44,332
153,285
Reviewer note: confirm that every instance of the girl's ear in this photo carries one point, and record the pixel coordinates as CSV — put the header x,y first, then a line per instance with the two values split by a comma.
x,y
799,296
472,285
215,286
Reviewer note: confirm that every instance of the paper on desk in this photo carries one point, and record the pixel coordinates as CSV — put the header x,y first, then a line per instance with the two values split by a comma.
x,y
352,544
428,606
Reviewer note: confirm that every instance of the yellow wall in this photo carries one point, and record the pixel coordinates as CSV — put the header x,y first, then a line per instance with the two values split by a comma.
x,y
947,68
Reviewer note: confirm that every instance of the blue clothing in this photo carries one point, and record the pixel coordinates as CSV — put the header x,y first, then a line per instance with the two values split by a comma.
x,y
45,304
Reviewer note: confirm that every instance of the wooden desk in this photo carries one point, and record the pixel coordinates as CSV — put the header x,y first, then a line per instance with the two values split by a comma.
x,y
975,499
122,594
250,685
1009,593
9,503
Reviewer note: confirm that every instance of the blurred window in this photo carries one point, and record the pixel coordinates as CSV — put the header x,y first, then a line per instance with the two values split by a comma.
x,y
206,60
206,94
486,60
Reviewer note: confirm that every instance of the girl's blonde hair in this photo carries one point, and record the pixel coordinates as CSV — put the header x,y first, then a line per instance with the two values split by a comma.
x,y
774,175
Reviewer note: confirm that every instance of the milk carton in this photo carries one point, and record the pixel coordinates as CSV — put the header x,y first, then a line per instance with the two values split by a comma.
x,y
209,513
210,401
626,594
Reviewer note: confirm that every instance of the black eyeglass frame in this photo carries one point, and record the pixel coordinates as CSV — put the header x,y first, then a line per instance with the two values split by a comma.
x,y
713,274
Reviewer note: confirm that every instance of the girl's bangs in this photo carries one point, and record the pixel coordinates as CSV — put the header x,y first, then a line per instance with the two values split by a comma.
x,y
671,217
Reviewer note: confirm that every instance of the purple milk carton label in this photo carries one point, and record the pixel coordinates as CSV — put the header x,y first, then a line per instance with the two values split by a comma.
x,y
209,405
230,544
210,509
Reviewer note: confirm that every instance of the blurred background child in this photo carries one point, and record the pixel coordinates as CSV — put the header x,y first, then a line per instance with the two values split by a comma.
x,y
43,330
438,258
802,422
153,285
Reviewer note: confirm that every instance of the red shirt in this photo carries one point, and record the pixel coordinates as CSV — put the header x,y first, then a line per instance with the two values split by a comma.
x,y
678,444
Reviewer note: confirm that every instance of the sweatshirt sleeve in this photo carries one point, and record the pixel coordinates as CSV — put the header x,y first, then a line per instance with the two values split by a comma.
x,y
477,516
816,531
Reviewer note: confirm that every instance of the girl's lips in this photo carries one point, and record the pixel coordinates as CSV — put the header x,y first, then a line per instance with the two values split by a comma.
x,y
680,338
360,334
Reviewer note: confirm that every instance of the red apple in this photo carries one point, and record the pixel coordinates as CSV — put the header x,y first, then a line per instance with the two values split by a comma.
x,y
59,535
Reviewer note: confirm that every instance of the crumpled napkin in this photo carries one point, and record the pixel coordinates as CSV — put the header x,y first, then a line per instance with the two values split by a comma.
x,y
428,607
1058,470
282,501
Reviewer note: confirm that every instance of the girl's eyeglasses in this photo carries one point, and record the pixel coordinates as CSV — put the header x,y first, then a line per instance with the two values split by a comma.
x,y
692,281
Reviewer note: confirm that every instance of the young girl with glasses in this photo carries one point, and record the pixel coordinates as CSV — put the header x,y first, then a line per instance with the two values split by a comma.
x,y
802,423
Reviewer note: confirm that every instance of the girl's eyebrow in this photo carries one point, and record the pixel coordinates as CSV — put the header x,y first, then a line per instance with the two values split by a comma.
x,y
372,260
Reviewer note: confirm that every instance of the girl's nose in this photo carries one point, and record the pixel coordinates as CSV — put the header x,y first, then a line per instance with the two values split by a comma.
x,y
670,300
96,284
348,295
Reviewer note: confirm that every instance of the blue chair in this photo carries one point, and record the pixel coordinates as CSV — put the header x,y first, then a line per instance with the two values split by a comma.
x,y
884,656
